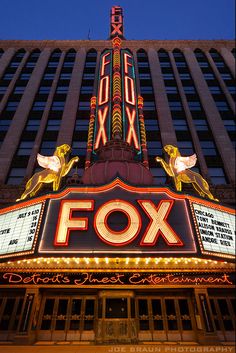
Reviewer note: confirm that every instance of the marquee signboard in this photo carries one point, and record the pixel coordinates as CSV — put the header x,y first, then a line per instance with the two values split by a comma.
x,y
215,228
19,230
117,220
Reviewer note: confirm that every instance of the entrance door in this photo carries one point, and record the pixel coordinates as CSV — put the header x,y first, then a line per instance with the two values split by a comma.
x,y
116,322
66,318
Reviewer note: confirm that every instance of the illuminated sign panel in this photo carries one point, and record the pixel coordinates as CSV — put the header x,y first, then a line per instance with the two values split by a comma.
x,y
103,120
129,97
216,229
131,279
119,220
19,229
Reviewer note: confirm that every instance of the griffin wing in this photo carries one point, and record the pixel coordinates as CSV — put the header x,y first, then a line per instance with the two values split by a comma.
x,y
52,162
182,163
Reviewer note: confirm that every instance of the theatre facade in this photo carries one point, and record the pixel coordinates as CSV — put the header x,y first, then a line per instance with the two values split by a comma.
x,y
94,250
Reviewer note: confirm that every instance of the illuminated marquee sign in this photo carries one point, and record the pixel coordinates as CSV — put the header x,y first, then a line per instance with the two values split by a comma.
x,y
216,229
103,121
130,123
98,279
119,220
19,230
129,100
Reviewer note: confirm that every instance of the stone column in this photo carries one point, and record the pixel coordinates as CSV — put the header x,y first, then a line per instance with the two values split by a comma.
x,y
72,100
221,82
193,132
44,119
29,313
13,136
206,333
214,119
167,130
229,59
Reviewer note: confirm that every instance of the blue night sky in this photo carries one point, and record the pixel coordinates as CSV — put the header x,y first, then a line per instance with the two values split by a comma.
x,y
144,19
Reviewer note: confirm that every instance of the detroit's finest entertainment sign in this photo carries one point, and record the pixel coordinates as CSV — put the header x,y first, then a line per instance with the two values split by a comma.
x,y
216,229
98,279
117,219
18,229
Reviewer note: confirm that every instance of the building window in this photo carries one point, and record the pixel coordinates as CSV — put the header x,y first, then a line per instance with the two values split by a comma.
x,y
3,90
185,76
149,105
208,148
44,90
185,147
217,176
201,124
222,105
181,64
38,106
86,90
171,90
146,90
176,106
25,77
53,125
16,176
151,125
32,125
79,148
154,148
229,125
84,105
215,89
194,106
8,77
25,148
62,89
180,125
53,64
81,125
19,89
48,77
57,105
12,106
209,76
203,64
189,89
4,124
168,76
48,148
159,175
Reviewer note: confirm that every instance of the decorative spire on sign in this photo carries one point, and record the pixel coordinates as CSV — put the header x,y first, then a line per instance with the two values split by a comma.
x,y
116,22
117,113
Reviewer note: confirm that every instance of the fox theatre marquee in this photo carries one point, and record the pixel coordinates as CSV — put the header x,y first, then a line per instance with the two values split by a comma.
x,y
117,220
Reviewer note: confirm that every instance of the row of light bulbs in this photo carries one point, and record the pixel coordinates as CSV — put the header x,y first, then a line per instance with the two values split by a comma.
x,y
107,260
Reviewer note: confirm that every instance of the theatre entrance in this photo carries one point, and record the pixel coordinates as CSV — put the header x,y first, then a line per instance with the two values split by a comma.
x,y
116,317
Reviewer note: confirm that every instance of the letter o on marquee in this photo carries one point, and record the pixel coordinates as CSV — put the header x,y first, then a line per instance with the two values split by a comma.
x,y
108,235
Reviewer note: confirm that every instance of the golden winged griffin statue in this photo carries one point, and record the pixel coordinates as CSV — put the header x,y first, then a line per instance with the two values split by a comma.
x,y
56,168
178,168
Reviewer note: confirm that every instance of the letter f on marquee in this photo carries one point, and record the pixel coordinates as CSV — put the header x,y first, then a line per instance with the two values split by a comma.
x,y
158,224
67,222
